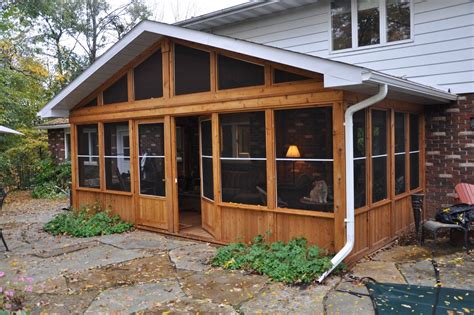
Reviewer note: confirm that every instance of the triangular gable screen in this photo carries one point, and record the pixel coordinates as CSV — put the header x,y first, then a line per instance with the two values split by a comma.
x,y
148,77
117,92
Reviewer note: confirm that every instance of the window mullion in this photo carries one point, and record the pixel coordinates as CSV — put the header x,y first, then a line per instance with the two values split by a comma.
x,y
383,21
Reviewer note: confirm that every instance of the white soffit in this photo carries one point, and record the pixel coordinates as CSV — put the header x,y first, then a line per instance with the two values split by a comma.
x,y
336,74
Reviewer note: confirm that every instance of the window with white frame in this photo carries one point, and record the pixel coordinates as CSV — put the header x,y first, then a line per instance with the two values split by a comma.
x,y
360,23
67,144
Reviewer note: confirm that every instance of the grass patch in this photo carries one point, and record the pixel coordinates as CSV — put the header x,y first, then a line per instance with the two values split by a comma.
x,y
292,263
86,222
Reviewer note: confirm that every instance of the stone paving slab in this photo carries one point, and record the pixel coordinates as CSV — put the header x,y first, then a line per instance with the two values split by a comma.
x,y
135,298
381,271
196,257
419,272
137,271
221,286
345,303
61,304
278,298
40,269
191,307
143,240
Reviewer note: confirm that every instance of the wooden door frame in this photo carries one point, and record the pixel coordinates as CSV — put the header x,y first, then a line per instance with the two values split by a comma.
x,y
136,159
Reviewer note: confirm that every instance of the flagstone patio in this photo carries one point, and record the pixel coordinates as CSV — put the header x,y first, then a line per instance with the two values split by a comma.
x,y
152,273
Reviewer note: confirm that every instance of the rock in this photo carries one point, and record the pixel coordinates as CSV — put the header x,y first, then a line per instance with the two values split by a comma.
x,y
195,257
135,298
221,286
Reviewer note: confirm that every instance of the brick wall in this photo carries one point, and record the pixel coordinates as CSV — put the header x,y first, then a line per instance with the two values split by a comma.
x,y
449,151
56,144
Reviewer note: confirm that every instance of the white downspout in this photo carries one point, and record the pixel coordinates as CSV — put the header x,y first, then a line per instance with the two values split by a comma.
x,y
349,144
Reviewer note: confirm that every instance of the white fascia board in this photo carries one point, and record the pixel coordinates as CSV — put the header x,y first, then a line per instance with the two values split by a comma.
x,y
47,111
409,87
47,127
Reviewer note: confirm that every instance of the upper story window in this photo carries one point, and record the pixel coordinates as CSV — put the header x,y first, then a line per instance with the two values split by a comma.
x,y
360,23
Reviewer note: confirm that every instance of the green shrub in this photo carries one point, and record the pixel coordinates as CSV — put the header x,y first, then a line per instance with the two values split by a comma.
x,y
86,222
291,263
51,180
47,190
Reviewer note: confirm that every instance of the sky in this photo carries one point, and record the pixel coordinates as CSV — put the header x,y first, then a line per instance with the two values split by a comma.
x,y
170,11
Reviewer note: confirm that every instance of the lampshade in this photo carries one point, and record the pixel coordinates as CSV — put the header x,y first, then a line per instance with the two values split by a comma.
x,y
293,152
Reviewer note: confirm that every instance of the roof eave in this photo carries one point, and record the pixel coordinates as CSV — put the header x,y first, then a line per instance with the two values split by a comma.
x,y
409,87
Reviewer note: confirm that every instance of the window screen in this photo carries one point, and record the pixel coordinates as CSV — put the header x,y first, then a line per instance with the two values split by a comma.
x,y
414,151
192,70
91,103
206,160
117,92
117,156
304,155
281,76
88,156
360,159
151,159
400,153
148,78
243,158
379,155
234,73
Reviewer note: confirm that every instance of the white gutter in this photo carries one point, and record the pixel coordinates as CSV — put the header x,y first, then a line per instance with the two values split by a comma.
x,y
349,147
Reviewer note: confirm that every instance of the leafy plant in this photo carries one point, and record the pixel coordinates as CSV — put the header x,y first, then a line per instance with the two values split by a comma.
x,y
291,263
86,222
51,180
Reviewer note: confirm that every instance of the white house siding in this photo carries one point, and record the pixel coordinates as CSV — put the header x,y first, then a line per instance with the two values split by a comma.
x,y
441,53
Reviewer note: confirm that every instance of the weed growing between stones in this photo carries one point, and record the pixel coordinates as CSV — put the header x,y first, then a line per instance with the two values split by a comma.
x,y
88,221
292,263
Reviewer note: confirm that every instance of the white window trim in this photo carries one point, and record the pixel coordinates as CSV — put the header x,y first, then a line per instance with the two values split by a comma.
x,y
67,132
383,29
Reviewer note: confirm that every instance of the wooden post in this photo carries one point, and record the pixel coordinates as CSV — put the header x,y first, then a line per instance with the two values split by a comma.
x,y
271,169
216,163
339,175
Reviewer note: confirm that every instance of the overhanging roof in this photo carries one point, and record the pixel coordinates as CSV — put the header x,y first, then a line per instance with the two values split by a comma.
x,y
337,74
241,12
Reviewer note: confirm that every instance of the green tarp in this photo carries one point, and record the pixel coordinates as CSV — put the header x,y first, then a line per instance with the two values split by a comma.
x,y
391,298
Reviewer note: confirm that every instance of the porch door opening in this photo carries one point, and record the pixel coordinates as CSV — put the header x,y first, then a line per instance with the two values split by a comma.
x,y
189,180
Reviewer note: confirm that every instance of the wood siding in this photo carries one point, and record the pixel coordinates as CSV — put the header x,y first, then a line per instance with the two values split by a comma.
x,y
441,52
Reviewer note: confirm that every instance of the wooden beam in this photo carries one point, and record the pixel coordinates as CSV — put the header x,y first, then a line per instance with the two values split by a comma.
x,y
207,97
303,100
